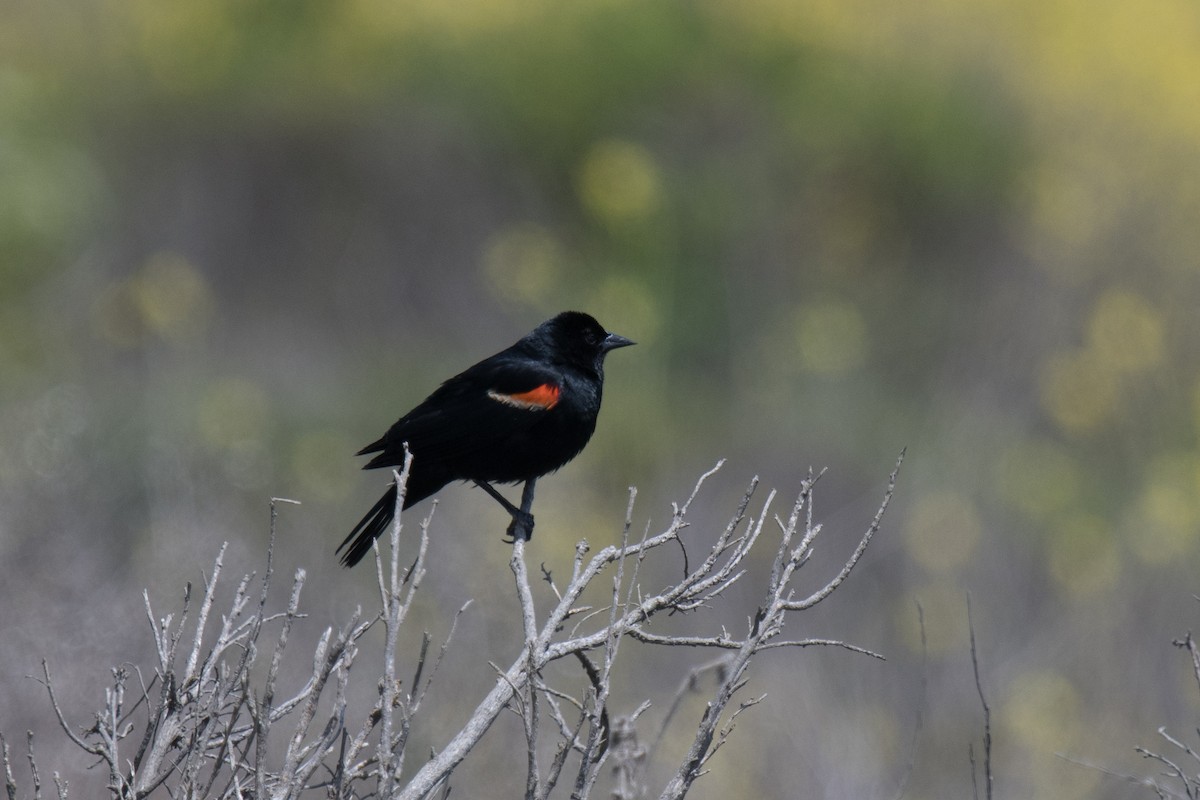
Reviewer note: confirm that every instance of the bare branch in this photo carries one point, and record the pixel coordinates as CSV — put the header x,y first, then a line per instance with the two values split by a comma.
x,y
10,785
919,723
987,711
394,611
858,551
1189,644
206,717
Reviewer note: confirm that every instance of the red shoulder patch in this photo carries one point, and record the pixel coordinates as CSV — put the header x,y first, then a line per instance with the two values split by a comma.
x,y
540,398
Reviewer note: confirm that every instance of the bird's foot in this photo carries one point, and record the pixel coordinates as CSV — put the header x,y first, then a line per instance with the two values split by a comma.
x,y
521,527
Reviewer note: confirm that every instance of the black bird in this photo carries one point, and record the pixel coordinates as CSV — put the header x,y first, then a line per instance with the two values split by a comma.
x,y
515,416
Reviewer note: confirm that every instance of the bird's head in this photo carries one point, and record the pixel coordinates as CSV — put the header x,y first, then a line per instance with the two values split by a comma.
x,y
579,338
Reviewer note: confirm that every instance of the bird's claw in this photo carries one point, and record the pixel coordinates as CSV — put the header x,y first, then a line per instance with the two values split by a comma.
x,y
521,527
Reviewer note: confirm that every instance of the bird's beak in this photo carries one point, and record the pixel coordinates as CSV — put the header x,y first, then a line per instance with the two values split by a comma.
x,y
613,341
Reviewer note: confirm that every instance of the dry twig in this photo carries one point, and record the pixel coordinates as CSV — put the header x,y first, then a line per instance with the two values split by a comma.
x,y
200,727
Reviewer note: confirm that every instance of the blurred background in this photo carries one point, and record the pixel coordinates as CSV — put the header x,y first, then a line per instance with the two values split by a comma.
x,y
237,240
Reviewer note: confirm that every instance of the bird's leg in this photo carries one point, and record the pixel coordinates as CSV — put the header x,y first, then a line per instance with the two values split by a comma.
x,y
501,499
522,525
522,520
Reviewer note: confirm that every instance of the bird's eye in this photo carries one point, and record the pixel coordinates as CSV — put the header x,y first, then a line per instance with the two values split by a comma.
x,y
591,337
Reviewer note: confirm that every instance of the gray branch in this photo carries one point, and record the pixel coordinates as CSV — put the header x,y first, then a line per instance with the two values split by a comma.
x,y
200,726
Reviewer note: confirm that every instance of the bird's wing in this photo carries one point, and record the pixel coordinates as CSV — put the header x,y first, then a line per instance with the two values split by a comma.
x,y
480,408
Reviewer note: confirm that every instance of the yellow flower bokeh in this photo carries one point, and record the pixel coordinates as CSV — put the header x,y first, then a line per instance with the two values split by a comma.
x,y
1079,391
942,531
1125,332
619,182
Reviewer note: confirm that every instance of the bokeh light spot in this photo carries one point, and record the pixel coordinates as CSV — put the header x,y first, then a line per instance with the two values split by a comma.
x,y
523,263
832,337
1039,477
167,297
1083,557
1041,711
1066,213
1164,525
1078,392
1125,331
172,296
942,531
619,182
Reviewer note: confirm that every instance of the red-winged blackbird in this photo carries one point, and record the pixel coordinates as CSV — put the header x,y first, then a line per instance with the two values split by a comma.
x,y
518,415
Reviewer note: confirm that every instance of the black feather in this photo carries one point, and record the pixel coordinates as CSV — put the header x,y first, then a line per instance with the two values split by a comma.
x,y
466,431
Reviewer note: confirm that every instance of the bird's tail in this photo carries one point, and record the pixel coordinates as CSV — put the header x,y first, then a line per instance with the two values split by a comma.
x,y
369,528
